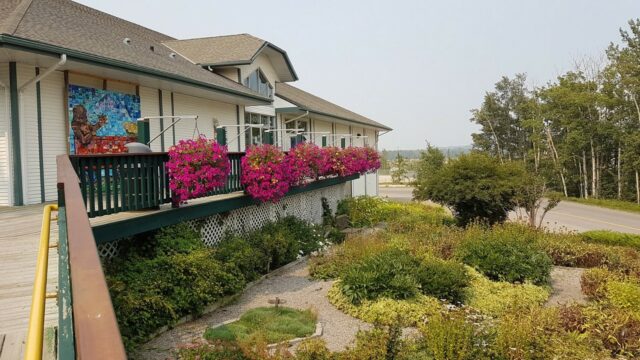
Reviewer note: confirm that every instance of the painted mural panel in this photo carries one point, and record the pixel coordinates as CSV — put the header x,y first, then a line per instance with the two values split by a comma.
x,y
101,121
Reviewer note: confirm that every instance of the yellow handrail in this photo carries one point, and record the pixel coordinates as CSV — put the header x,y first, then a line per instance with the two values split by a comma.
x,y
33,350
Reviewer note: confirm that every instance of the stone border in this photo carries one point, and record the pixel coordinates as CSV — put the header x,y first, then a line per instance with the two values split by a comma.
x,y
225,300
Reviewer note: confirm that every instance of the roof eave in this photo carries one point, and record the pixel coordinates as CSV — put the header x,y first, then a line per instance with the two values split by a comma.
x,y
49,49
298,109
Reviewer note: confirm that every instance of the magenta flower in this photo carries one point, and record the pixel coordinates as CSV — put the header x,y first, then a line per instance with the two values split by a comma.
x,y
196,167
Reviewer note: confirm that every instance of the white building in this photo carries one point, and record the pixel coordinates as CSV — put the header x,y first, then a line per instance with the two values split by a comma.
x,y
52,49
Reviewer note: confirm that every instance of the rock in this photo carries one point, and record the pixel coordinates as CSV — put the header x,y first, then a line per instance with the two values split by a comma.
x,y
342,222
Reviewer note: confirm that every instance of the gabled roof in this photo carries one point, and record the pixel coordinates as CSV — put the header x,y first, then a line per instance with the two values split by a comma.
x,y
230,50
90,35
309,102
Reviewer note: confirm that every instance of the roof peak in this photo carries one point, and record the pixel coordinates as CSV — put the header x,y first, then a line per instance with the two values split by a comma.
x,y
218,37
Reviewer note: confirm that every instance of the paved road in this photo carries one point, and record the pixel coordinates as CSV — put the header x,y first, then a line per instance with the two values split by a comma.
x,y
566,216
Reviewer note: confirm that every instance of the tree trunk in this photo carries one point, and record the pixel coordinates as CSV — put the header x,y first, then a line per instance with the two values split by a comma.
x,y
637,188
618,165
556,160
497,142
594,191
584,173
580,183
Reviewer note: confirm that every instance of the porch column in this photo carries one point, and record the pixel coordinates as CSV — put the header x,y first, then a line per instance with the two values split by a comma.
x,y
15,136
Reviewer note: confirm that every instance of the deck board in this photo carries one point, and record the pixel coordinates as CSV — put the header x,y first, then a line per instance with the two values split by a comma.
x,y
19,238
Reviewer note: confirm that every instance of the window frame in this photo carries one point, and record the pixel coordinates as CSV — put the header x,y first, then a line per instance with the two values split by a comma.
x,y
261,80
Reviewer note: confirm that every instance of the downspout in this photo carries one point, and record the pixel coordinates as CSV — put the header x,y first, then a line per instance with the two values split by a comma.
x,y
21,89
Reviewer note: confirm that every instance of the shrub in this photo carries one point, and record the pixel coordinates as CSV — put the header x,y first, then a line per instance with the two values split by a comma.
x,y
236,250
612,238
387,274
396,274
569,250
594,282
366,211
525,335
449,337
443,279
385,311
313,349
499,297
215,351
624,295
339,258
476,186
618,330
278,244
506,253
150,293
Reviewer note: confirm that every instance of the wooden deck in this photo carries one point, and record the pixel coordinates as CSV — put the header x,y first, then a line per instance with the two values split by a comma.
x,y
19,238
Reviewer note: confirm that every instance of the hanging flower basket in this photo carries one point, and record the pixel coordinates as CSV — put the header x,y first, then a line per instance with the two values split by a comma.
x,y
196,167
304,161
266,174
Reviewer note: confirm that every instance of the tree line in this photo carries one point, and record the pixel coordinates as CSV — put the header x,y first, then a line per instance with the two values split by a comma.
x,y
581,132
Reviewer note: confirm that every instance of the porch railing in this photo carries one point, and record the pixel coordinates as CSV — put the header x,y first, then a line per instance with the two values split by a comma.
x,y
112,183
87,326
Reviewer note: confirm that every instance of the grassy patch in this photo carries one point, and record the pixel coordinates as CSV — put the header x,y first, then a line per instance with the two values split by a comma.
x,y
270,323
606,237
608,203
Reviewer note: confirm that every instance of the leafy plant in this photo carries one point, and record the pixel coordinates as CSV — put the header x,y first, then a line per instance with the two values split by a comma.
x,y
449,337
443,279
606,237
508,253
476,187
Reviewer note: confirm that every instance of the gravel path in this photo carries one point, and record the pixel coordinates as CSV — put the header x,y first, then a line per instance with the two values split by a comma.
x,y
565,282
292,285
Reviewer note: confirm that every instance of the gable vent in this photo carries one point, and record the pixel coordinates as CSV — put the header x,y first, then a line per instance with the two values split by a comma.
x,y
126,41
172,55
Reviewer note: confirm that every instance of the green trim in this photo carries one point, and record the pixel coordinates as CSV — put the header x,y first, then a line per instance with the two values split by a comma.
x,y
48,49
40,154
116,230
238,123
66,345
161,113
15,135
173,113
298,109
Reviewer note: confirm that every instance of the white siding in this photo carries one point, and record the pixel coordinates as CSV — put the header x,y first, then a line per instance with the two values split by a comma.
x,y
29,136
54,129
321,126
149,106
5,130
208,111
166,111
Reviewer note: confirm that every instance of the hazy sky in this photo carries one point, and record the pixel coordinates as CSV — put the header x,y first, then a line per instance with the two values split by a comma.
x,y
417,66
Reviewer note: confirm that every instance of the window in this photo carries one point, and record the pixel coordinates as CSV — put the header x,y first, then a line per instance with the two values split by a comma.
x,y
297,131
259,135
256,81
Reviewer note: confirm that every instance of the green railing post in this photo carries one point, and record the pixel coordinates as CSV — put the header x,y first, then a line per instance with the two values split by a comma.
x,y
324,140
66,339
343,143
221,136
144,134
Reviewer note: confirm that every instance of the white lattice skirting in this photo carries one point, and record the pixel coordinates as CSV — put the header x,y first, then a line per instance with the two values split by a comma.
x,y
306,206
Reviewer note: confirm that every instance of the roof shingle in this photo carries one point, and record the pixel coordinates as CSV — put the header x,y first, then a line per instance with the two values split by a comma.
x,y
73,26
312,103
218,50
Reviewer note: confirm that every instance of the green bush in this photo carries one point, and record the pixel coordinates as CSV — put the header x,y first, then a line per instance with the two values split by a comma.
x,y
150,293
449,337
247,258
396,274
387,274
366,211
443,279
333,264
612,238
508,253
477,187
